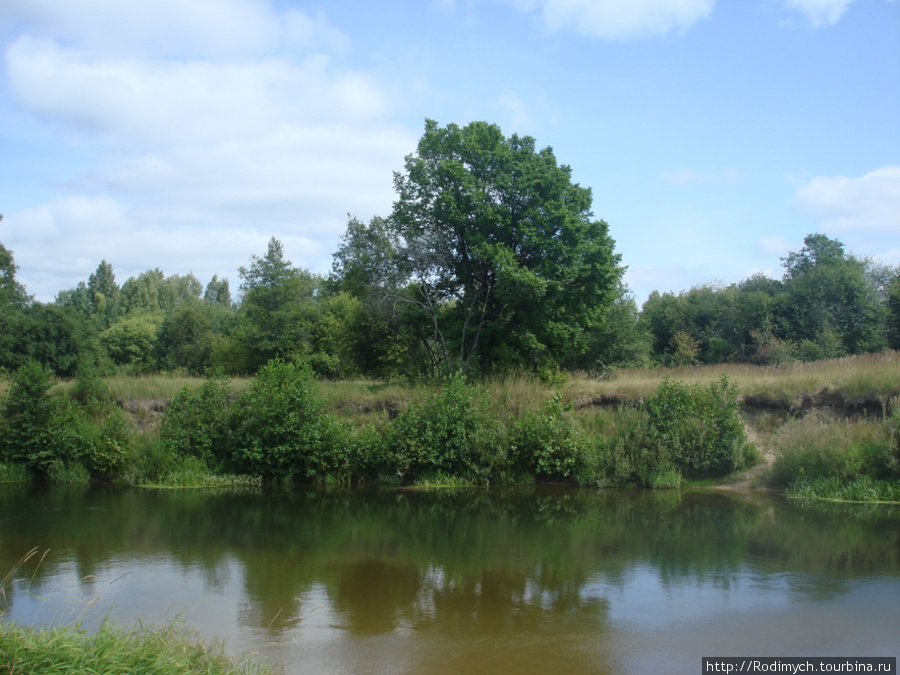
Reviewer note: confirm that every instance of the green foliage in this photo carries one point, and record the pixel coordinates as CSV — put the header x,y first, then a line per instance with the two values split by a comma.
x,y
860,489
48,334
105,448
152,291
45,433
500,247
12,293
892,293
280,427
770,350
893,461
813,449
699,427
831,301
131,341
150,460
547,442
447,432
278,309
685,349
218,292
34,427
197,423
625,451
189,336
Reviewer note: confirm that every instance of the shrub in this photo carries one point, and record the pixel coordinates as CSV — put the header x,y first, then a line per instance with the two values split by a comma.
x,y
449,432
96,426
150,459
34,427
280,429
626,451
893,459
700,427
105,448
197,422
546,442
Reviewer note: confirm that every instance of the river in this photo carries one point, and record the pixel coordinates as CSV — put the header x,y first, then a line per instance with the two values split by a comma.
x,y
475,581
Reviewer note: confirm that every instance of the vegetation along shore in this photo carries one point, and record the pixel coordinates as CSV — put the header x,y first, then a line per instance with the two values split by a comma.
x,y
828,429
480,333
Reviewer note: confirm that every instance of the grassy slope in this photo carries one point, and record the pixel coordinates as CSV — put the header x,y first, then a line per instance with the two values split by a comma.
x,y
875,376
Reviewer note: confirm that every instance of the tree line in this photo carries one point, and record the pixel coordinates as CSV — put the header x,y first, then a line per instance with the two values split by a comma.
x,y
490,260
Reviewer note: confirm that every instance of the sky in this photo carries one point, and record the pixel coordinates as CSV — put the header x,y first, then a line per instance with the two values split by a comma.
x,y
714,134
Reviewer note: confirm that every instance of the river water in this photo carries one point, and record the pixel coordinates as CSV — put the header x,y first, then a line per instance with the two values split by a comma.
x,y
468,581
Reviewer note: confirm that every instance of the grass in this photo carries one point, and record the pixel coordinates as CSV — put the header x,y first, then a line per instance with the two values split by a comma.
x,y
12,473
113,650
862,489
813,448
869,375
441,480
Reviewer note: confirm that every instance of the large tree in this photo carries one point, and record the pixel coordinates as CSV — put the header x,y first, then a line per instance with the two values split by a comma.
x,y
503,253
277,308
831,305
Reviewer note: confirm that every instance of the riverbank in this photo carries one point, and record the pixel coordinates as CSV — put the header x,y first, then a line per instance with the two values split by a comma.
x,y
806,427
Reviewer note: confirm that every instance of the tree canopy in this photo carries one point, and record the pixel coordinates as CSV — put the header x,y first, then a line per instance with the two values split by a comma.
x,y
500,248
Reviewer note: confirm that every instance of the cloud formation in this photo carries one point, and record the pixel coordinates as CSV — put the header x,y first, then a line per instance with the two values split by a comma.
x,y
174,28
218,114
870,203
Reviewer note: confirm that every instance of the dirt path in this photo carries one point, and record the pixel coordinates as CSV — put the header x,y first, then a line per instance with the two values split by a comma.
x,y
753,477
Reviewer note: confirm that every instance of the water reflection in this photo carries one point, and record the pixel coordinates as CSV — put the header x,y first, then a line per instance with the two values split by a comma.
x,y
443,581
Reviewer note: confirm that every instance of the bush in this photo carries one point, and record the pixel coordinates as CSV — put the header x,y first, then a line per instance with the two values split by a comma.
x,y
197,423
280,429
449,432
893,459
699,427
546,442
35,428
105,448
626,451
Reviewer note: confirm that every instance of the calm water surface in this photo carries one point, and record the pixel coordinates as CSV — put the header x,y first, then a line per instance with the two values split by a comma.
x,y
471,581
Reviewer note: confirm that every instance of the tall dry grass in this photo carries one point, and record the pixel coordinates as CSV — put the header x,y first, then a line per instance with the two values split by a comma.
x,y
870,375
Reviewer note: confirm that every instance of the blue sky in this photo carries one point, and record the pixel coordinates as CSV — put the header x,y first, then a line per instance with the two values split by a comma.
x,y
715,134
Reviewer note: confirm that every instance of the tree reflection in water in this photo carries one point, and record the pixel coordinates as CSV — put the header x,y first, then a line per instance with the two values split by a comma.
x,y
445,579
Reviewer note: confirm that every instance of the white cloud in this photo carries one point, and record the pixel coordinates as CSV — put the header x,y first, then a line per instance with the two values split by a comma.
x,y
173,28
249,131
302,177
85,230
173,102
616,20
819,12
870,203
